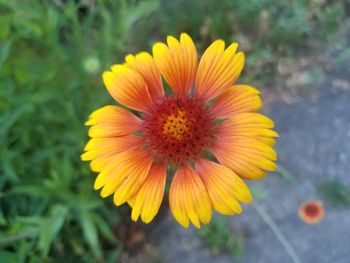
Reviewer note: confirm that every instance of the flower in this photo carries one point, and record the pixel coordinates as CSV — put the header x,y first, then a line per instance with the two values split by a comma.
x,y
311,212
207,129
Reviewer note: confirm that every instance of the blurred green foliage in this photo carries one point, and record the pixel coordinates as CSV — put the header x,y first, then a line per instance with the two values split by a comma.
x,y
52,54
50,59
267,30
335,193
219,238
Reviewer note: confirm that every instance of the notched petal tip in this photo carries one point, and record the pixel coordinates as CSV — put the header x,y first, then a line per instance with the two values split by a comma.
x,y
119,199
120,68
185,224
158,48
104,195
135,216
147,220
240,56
239,61
184,35
143,55
89,122
217,45
231,50
85,156
187,41
247,198
97,185
129,59
172,41
106,77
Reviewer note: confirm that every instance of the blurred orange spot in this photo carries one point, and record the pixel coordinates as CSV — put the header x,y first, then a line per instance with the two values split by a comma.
x,y
311,212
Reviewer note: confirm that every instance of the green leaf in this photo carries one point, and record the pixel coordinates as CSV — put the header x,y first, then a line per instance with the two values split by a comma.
x,y
5,25
90,232
104,229
51,228
5,49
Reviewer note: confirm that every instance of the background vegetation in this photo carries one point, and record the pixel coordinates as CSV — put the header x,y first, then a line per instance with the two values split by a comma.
x,y
52,54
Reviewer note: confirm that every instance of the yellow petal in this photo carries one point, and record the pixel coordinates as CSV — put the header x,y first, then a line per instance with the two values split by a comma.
x,y
144,64
189,199
112,121
99,163
127,87
251,125
132,182
247,157
149,198
218,69
132,200
98,147
177,62
237,99
120,168
224,187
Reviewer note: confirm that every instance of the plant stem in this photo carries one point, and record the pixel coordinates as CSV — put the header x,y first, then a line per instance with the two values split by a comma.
x,y
285,173
277,232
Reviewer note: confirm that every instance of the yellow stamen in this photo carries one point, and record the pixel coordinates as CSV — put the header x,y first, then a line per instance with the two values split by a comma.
x,y
176,125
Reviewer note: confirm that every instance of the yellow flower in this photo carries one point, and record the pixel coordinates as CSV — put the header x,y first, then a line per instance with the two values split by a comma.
x,y
205,115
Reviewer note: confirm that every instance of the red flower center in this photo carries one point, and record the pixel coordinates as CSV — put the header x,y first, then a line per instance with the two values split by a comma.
x,y
178,129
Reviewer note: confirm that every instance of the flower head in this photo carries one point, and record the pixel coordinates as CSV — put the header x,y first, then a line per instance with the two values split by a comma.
x,y
311,212
207,128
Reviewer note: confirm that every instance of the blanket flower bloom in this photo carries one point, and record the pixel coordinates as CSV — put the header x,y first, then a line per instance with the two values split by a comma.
x,y
207,129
